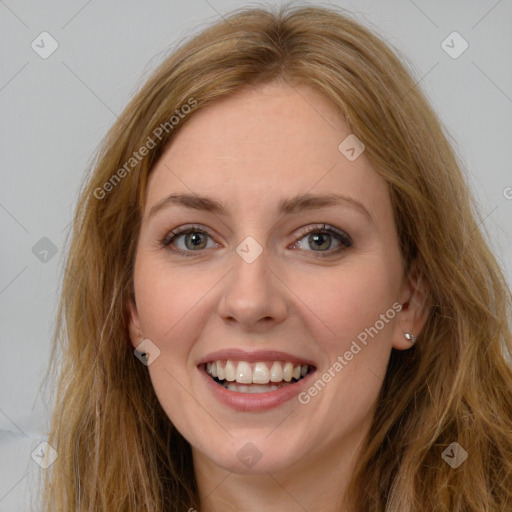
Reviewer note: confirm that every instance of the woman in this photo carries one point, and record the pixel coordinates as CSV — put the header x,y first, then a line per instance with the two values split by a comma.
x,y
277,295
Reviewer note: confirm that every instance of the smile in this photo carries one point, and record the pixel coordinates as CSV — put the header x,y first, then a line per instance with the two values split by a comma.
x,y
255,377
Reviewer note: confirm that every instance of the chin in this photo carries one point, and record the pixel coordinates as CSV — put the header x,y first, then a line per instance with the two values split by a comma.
x,y
246,454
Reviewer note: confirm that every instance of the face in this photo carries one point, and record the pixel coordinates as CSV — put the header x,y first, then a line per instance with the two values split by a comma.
x,y
262,288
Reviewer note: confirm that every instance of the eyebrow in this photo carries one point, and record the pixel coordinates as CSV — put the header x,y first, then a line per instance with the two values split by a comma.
x,y
292,205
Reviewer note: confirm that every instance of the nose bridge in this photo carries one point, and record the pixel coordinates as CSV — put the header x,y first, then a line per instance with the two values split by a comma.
x,y
250,282
252,292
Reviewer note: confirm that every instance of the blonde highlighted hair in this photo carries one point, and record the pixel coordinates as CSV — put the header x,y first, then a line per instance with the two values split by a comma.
x,y
118,451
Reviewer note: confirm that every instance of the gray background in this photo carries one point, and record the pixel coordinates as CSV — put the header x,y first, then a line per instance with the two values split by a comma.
x,y
56,110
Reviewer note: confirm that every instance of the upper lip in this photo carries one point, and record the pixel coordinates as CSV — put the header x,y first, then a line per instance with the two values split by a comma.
x,y
258,355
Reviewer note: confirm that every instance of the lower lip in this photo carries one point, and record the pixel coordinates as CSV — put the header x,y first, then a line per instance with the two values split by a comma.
x,y
254,401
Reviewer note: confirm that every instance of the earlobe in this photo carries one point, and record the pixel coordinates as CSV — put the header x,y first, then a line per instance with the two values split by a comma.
x,y
415,309
134,327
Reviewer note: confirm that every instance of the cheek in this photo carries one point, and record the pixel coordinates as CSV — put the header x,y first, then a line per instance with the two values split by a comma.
x,y
349,300
168,302
166,297
349,305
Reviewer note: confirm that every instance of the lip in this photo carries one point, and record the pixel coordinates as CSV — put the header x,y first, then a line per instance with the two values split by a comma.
x,y
246,402
256,402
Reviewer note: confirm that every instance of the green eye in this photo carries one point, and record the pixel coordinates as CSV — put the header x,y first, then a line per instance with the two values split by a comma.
x,y
319,240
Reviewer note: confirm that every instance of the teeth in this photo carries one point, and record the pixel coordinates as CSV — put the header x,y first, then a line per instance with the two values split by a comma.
x,y
287,372
221,373
276,372
240,388
261,374
241,372
229,370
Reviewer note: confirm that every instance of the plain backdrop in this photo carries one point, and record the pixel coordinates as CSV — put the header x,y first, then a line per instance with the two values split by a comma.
x,y
55,111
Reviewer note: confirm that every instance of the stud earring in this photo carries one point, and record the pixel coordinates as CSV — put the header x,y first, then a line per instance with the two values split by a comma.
x,y
410,338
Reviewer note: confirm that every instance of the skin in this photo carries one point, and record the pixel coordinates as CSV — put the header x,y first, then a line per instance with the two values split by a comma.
x,y
249,151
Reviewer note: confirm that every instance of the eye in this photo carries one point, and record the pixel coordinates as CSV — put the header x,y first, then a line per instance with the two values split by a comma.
x,y
320,239
193,237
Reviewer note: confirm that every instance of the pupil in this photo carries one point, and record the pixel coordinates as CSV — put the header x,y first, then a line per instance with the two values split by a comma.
x,y
195,239
319,236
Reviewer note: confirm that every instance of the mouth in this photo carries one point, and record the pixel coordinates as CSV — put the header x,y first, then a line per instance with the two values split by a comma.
x,y
256,377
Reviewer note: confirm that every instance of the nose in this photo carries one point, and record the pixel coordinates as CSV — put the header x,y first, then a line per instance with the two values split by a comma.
x,y
254,296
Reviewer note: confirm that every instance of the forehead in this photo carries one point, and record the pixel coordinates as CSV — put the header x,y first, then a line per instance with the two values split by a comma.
x,y
262,145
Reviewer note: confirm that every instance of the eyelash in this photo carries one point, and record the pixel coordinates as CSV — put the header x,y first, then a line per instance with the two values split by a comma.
x,y
342,237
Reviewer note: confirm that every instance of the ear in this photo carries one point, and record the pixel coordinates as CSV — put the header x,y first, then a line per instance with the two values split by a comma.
x,y
412,317
134,325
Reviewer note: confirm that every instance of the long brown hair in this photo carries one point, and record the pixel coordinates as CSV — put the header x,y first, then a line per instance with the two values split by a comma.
x,y
117,449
